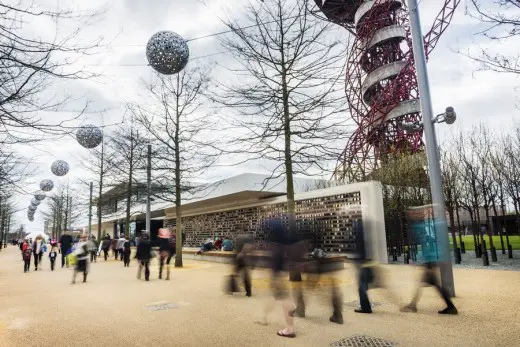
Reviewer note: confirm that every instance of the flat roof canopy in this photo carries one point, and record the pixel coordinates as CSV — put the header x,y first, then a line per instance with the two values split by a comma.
x,y
210,203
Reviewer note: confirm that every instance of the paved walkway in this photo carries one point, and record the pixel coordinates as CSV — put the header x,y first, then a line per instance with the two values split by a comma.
x,y
115,309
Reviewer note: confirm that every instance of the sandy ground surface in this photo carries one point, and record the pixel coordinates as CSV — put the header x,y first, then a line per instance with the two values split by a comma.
x,y
114,309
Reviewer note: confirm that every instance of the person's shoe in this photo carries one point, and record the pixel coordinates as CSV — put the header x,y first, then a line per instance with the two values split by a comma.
x,y
409,308
248,295
358,310
449,310
336,319
297,313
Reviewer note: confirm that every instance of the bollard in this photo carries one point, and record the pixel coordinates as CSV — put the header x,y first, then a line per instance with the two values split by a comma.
x,y
463,247
494,254
510,251
458,257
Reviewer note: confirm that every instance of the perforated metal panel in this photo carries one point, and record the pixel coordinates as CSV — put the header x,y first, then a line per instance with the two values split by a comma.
x,y
330,218
363,341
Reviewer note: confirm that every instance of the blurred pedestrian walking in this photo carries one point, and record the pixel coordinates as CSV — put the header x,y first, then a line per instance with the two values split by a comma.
x,y
105,246
81,254
26,255
425,235
144,255
53,254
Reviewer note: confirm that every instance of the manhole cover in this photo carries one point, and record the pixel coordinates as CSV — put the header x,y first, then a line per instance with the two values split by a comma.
x,y
355,304
162,307
363,341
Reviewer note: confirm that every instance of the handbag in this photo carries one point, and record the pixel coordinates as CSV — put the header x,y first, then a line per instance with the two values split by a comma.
x,y
72,258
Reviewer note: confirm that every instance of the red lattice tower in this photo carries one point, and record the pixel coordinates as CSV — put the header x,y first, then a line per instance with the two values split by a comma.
x,y
381,84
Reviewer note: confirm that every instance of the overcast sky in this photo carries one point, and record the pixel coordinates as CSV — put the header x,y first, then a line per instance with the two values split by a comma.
x,y
485,97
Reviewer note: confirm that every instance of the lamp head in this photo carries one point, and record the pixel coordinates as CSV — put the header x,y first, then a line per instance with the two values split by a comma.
x,y
450,116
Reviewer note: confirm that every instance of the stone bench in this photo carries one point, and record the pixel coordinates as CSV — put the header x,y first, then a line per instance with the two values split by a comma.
x,y
259,258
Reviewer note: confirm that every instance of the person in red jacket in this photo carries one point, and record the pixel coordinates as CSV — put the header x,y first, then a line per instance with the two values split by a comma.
x,y
26,255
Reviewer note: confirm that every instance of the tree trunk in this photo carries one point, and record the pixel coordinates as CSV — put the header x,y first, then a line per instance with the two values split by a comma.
x,y
457,207
499,229
129,187
485,259
178,196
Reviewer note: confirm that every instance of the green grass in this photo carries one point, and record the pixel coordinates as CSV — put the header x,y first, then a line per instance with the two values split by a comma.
x,y
470,245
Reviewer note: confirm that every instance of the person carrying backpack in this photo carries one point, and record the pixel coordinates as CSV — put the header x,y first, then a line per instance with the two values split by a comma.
x,y
26,255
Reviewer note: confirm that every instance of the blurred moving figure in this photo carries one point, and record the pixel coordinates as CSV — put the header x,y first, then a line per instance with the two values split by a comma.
x,y
81,252
167,250
26,255
313,264
105,246
143,255
93,248
241,267
126,254
425,236
370,274
65,243
279,244
53,254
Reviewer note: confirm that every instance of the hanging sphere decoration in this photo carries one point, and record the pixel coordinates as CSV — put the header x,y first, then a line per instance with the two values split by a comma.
x,y
46,185
35,202
89,136
31,219
60,168
39,195
31,209
167,52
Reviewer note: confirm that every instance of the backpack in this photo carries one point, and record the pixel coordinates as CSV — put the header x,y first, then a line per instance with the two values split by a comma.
x,y
27,254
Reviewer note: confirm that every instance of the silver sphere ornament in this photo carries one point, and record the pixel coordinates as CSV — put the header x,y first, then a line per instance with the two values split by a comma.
x,y
167,52
31,209
31,219
40,195
46,185
89,136
35,202
60,168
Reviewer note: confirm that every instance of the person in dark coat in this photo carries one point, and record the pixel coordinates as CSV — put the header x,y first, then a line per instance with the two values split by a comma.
x,y
126,253
144,255
65,248
105,246
241,266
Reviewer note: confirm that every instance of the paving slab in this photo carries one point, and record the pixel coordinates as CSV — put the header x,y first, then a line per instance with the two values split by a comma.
x,y
115,309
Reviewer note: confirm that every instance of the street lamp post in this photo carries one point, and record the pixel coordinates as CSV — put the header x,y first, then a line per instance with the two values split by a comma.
x,y
439,211
148,187
90,211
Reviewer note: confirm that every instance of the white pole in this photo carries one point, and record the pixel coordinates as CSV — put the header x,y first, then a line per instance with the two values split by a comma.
x,y
439,211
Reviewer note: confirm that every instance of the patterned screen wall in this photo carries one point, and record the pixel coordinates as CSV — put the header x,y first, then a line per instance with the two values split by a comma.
x,y
328,218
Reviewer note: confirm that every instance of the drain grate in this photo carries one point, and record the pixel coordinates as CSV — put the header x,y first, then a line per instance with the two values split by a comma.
x,y
363,341
355,304
162,307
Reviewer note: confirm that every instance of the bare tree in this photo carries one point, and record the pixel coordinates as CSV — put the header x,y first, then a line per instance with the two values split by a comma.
x,y
64,207
184,146
98,163
449,184
470,172
480,144
7,209
128,147
30,65
287,98
501,19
